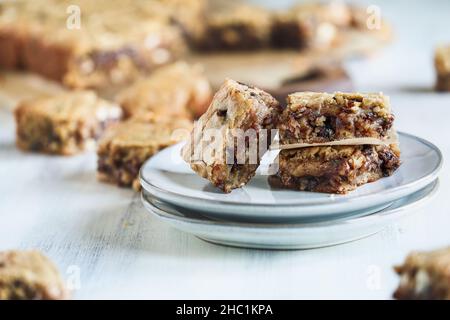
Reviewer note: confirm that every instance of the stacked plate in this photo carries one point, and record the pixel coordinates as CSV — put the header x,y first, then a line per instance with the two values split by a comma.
x,y
257,216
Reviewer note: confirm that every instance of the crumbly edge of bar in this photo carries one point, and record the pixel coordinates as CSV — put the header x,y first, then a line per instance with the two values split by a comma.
x,y
318,118
328,171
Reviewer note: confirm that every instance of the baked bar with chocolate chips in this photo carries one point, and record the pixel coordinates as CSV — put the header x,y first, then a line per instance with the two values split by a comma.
x,y
442,65
312,117
127,145
241,27
237,112
112,44
178,89
29,275
334,169
65,124
313,25
425,276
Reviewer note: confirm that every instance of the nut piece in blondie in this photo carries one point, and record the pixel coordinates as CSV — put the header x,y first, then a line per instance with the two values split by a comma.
x,y
334,169
442,65
425,276
127,145
29,275
312,117
66,124
178,89
241,27
229,140
313,25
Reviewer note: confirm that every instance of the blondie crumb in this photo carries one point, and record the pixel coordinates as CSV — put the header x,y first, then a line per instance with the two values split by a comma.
x,y
66,124
237,111
29,275
127,145
334,169
425,276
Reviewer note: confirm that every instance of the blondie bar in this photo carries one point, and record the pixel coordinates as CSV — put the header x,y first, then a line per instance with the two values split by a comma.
x,y
442,65
322,117
29,275
127,145
229,140
63,124
241,27
174,90
334,169
425,275
113,44
313,25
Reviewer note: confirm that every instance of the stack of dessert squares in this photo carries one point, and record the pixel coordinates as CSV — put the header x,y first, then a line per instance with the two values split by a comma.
x,y
329,143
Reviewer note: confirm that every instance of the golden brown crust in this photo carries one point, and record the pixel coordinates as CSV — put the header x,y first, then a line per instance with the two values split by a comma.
x,y
127,145
337,169
29,275
425,275
65,124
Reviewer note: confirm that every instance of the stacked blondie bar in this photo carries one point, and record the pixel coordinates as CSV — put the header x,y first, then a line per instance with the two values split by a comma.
x,y
329,143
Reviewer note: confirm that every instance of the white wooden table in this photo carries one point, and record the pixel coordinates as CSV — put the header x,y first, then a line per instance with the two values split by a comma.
x,y
103,235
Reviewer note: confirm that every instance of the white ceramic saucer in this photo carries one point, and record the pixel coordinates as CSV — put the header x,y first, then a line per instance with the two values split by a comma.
x,y
287,236
169,179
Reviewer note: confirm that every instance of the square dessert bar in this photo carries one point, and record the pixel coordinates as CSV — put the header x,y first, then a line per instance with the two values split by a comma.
x,y
442,65
312,117
334,169
177,89
314,25
213,151
114,44
63,124
127,145
241,27
28,275
425,276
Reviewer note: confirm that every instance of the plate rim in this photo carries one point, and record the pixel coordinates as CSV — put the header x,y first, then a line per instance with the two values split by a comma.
x,y
335,199
434,186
